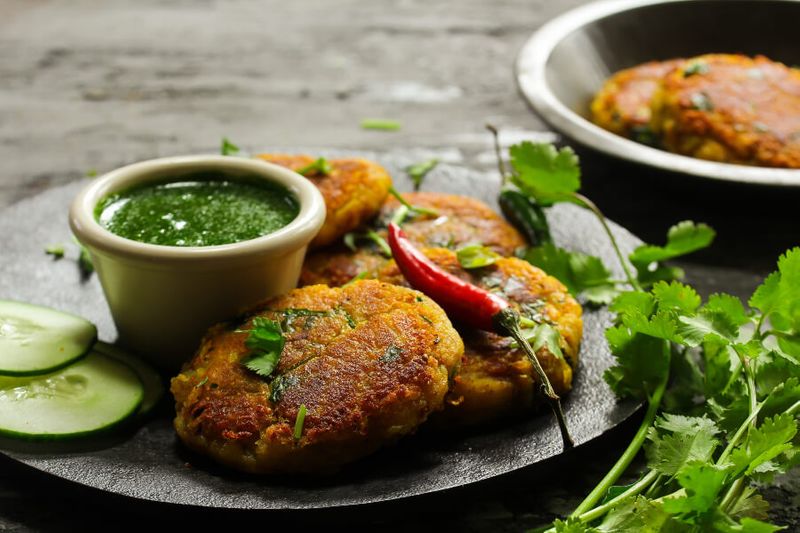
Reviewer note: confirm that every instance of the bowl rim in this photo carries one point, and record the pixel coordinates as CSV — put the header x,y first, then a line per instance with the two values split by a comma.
x,y
296,234
530,73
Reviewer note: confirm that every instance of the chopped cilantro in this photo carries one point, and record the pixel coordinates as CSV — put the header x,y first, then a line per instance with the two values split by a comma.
x,y
299,421
228,148
265,341
350,239
56,250
417,172
85,264
380,124
412,208
476,256
695,68
364,274
319,167
701,102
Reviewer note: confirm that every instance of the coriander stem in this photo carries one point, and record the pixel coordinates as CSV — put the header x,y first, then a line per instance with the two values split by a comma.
x,y
738,435
633,490
501,166
599,214
630,452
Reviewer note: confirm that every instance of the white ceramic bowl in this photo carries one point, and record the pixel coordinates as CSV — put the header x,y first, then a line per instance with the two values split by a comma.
x,y
163,298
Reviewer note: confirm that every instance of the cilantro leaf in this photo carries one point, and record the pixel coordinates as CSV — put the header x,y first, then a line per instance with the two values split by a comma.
x,y
765,444
476,256
546,174
751,505
545,336
676,296
582,274
682,238
319,167
642,363
639,515
682,440
702,483
265,341
417,172
779,296
228,148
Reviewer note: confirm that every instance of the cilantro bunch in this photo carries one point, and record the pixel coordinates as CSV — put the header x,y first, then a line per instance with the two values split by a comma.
x,y
721,381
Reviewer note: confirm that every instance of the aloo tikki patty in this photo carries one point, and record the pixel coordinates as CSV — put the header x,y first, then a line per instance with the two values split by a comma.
x,y
461,220
370,362
628,102
734,109
497,379
354,191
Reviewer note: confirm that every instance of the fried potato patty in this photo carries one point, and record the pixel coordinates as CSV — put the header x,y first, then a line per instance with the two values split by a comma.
x,y
625,104
496,379
733,109
370,362
461,220
353,191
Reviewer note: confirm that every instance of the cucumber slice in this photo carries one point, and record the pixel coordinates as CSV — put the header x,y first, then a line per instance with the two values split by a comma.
x,y
92,395
38,340
153,384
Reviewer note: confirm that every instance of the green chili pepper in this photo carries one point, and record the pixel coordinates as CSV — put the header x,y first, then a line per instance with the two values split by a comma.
x,y
526,215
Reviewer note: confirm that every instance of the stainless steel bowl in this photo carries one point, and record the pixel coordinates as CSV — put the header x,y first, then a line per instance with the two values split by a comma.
x,y
565,63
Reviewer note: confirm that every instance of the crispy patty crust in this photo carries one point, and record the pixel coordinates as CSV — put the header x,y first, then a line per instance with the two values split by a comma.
x,y
625,104
497,380
370,362
733,109
461,220
354,192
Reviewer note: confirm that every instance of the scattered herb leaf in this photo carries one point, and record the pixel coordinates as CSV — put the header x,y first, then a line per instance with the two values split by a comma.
x,y
418,171
299,422
319,167
228,148
265,341
56,250
476,256
380,124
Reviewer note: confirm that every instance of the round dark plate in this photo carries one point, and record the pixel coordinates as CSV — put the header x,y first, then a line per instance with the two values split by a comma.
x,y
150,463
564,63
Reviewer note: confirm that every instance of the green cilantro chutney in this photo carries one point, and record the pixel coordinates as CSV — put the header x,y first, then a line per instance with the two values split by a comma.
x,y
199,210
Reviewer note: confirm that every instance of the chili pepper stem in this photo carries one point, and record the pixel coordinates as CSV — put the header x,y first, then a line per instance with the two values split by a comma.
x,y
507,321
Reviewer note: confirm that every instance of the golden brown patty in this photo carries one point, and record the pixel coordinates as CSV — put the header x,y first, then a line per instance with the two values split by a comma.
x,y
495,379
625,103
461,220
369,361
354,192
734,109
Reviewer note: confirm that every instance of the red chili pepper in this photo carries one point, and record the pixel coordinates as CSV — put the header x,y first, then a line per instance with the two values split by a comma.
x,y
462,300
471,305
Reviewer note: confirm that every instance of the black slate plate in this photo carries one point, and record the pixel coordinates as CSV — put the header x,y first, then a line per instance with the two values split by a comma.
x,y
149,463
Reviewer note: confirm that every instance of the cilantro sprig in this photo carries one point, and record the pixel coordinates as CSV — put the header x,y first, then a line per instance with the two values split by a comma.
x,y
548,176
265,341
721,380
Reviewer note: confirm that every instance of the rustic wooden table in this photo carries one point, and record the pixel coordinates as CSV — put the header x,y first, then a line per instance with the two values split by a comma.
x,y
88,86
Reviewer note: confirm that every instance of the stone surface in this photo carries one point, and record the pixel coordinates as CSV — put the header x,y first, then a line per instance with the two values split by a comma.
x,y
87,86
